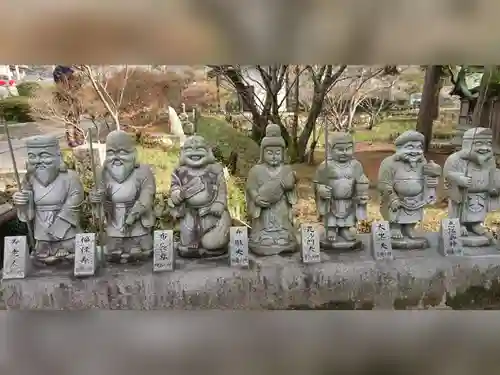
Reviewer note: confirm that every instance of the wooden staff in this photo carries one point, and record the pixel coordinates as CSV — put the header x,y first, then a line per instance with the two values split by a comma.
x,y
96,187
31,238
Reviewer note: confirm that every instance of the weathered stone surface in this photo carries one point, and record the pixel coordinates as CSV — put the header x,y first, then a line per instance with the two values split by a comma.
x,y
270,283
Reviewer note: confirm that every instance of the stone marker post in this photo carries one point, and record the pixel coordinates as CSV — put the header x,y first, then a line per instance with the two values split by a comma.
x,y
238,247
450,242
15,258
381,245
85,254
310,244
163,254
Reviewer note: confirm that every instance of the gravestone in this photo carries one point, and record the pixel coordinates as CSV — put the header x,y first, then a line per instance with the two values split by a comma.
x,y
163,254
381,241
450,242
85,254
310,244
16,257
238,247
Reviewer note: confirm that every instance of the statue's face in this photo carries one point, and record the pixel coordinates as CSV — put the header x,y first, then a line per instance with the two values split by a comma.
x,y
342,152
195,154
273,155
120,162
482,150
44,163
412,152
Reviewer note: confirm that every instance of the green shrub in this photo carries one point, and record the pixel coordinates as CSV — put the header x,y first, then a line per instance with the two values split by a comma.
x,y
28,88
16,109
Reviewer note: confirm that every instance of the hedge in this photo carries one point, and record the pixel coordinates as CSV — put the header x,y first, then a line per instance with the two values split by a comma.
x,y
16,109
27,88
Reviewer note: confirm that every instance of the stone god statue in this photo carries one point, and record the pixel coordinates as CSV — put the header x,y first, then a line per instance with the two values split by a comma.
x,y
407,183
126,192
270,192
198,198
471,181
339,188
50,200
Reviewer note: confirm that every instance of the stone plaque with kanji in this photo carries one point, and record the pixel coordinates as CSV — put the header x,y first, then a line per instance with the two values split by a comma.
x,y
238,247
163,255
85,254
381,241
450,242
310,244
15,257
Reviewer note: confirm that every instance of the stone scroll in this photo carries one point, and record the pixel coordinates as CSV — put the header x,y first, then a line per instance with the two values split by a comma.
x,y
163,254
15,258
238,247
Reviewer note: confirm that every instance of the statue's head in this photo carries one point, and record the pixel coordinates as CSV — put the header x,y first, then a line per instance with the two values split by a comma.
x,y
272,147
183,116
121,155
196,152
341,147
410,147
44,158
478,144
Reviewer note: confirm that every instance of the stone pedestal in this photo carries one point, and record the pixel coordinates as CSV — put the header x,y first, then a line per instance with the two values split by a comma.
x,y
275,282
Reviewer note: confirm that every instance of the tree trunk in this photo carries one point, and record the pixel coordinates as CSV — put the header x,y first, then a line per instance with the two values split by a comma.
x,y
427,111
314,112
483,96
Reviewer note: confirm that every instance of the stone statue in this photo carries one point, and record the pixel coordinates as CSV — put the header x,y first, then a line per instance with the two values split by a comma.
x,y
50,200
270,192
407,183
198,198
472,184
126,192
340,191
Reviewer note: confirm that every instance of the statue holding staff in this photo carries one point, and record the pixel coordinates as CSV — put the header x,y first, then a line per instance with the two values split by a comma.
x,y
50,198
126,191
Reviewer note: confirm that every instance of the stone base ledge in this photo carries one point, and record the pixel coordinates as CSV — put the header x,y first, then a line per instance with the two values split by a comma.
x,y
270,283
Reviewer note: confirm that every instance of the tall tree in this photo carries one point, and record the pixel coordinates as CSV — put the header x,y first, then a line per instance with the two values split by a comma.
x,y
429,105
271,80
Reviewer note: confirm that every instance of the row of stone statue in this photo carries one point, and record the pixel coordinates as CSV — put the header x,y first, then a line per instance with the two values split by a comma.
x,y
51,196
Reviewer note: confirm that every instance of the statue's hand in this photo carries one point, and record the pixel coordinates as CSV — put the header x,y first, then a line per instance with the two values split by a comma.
x,y
324,192
464,181
176,197
21,198
363,200
217,209
494,192
289,181
96,197
262,202
395,205
132,217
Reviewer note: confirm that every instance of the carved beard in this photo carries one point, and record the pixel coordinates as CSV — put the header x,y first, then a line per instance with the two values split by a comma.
x,y
45,174
480,159
120,172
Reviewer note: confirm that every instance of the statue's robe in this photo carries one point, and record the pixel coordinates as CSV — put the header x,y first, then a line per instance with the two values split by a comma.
x,y
397,180
342,179
273,225
136,193
201,188
55,208
472,204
